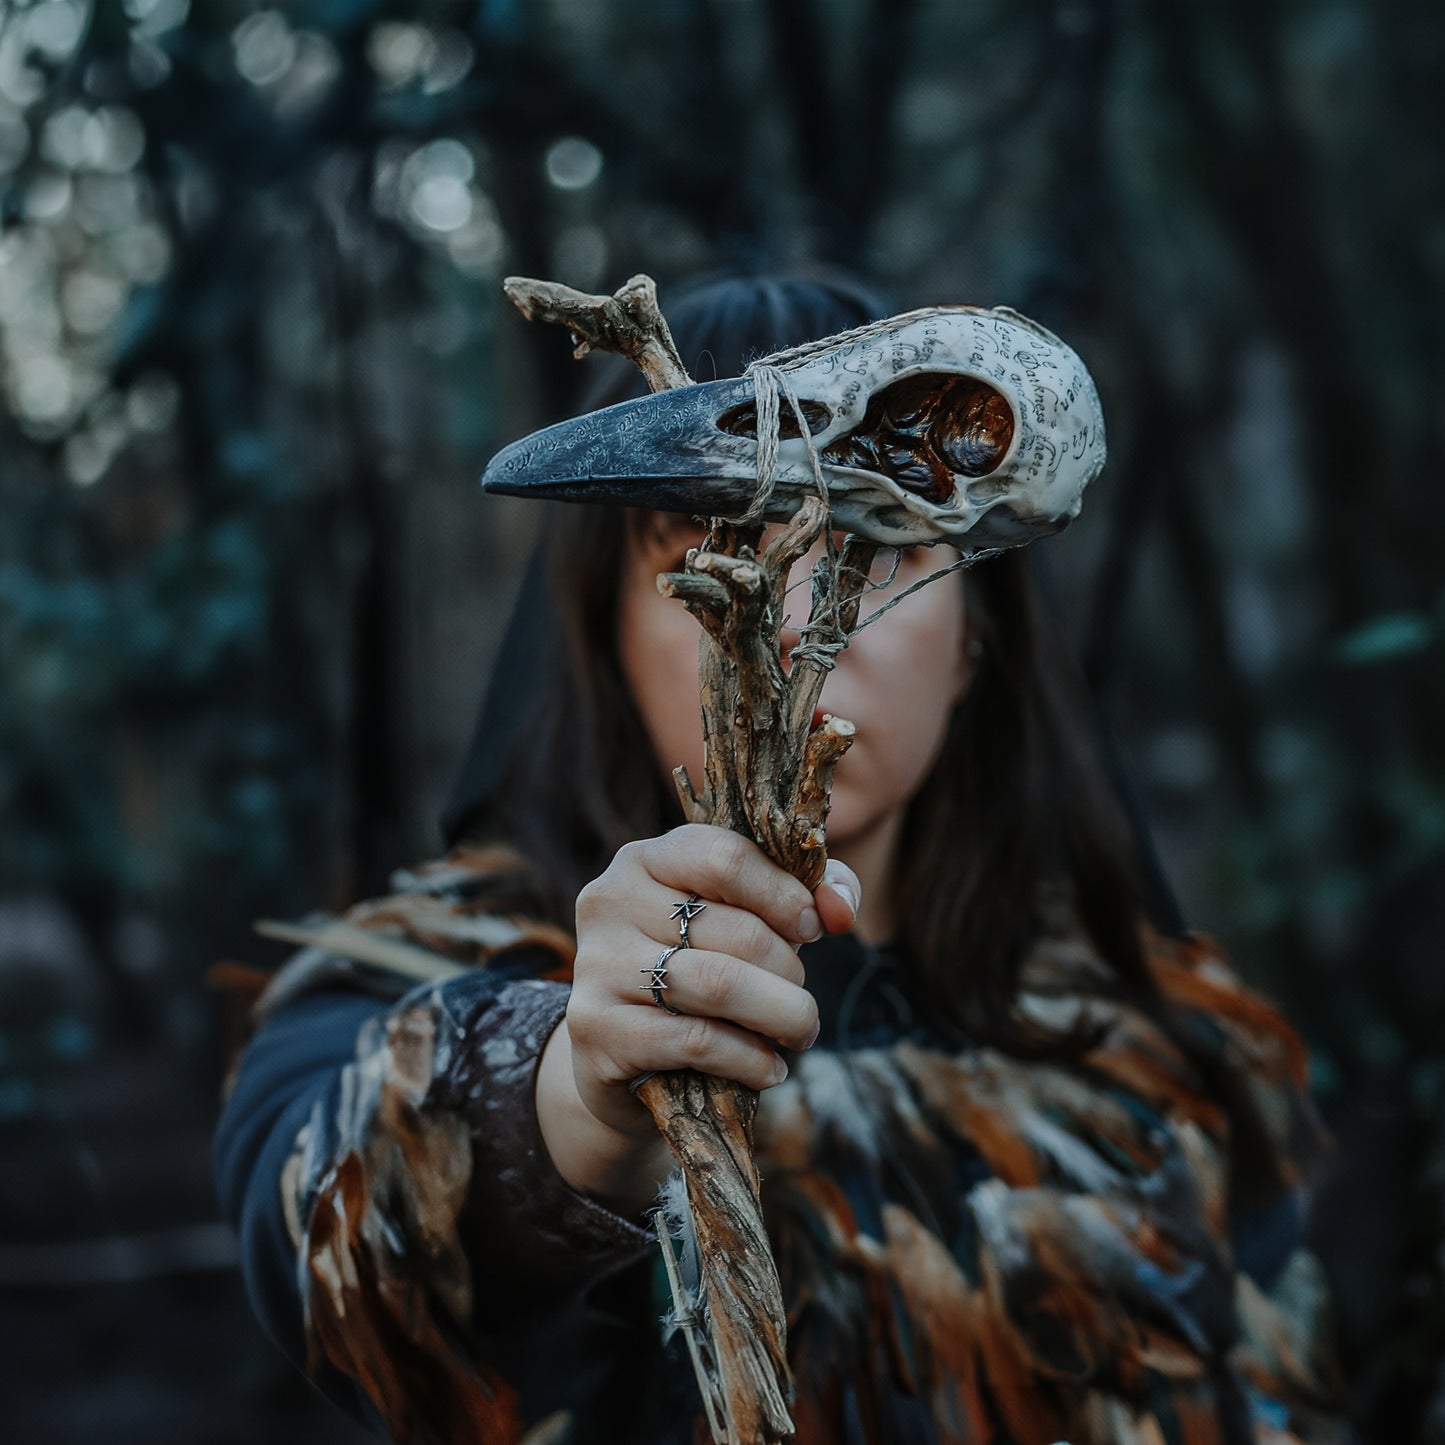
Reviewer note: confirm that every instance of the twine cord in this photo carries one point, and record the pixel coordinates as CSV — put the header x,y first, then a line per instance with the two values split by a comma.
x,y
961,565
823,637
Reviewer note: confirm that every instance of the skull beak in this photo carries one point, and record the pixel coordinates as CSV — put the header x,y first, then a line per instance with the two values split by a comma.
x,y
664,451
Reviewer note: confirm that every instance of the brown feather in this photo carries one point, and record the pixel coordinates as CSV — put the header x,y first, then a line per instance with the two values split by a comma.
x,y
945,1314
392,1321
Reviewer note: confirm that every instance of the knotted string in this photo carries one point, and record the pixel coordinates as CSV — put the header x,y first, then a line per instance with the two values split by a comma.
x,y
770,384
823,635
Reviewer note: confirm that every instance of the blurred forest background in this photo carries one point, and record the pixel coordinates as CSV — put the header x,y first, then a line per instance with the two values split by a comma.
x,y
254,356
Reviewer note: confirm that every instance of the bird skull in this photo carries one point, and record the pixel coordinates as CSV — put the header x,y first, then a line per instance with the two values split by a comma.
x,y
952,424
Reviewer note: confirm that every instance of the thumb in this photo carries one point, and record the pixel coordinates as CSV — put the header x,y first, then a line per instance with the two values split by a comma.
x,y
837,897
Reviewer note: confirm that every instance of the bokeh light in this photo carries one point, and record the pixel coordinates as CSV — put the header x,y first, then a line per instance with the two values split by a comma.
x,y
54,27
435,185
155,17
152,402
405,53
399,52
573,163
264,47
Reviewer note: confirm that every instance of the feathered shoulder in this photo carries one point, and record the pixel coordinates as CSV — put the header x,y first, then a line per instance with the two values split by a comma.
x,y
1036,1251
441,917
380,1193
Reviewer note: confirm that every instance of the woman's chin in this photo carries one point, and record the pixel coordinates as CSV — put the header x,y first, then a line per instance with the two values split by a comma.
x,y
848,818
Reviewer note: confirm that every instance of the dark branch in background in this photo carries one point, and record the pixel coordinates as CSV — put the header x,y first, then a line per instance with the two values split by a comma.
x,y
374,671
1399,187
718,114
799,79
989,136
845,134
1089,237
889,28
1260,182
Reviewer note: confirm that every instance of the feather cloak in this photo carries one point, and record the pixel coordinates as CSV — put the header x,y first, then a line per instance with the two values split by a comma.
x,y
975,1249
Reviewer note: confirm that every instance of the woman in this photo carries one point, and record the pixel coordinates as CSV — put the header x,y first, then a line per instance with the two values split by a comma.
x,y
1030,1167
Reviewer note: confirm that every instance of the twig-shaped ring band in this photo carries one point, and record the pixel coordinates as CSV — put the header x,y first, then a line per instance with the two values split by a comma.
x,y
684,913
657,977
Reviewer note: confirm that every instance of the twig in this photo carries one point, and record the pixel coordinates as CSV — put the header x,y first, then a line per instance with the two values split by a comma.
x,y
627,322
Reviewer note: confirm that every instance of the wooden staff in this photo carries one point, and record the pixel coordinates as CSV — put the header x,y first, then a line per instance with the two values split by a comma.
x,y
768,775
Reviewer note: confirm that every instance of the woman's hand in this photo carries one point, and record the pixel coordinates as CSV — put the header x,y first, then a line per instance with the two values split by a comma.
x,y
738,988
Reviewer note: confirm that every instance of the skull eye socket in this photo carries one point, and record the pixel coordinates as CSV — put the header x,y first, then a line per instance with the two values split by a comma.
x,y
924,431
742,421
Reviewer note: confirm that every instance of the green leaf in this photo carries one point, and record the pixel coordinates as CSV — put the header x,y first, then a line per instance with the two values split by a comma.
x,y
1384,638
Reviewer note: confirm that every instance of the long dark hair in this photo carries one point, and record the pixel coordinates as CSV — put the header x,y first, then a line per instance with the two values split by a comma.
x,y
1013,807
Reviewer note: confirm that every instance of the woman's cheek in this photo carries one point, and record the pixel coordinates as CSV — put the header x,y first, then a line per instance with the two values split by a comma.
x,y
899,685
657,646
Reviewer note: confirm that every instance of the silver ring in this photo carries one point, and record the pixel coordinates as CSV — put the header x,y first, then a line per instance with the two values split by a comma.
x,y
683,913
657,977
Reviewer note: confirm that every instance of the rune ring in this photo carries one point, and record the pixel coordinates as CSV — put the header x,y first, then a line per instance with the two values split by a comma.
x,y
684,913
657,977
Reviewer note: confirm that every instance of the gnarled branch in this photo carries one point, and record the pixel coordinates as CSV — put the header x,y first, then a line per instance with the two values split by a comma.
x,y
768,776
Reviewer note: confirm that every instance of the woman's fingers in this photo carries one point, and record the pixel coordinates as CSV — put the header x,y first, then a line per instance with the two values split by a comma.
x,y
726,867
755,910
737,986
714,1046
622,1043
723,929
701,984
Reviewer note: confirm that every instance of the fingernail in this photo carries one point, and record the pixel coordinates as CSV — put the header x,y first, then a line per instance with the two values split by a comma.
x,y
810,926
813,1037
780,1070
842,882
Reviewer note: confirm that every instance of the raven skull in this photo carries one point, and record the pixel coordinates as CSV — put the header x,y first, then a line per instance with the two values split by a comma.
x,y
952,424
